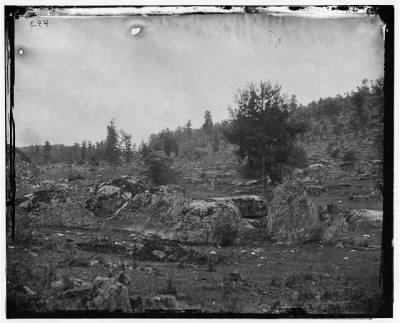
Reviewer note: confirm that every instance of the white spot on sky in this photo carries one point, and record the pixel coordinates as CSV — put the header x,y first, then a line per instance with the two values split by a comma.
x,y
135,30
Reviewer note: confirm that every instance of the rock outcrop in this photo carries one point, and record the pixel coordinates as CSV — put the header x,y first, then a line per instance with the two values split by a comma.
x,y
292,215
166,211
113,195
43,198
26,172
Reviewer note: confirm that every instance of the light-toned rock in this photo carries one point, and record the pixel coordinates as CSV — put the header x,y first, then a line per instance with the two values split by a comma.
x,y
292,215
315,166
169,213
112,196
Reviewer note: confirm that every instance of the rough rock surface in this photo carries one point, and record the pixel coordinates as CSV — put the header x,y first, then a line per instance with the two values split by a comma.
x,y
108,294
166,211
364,220
335,229
214,222
292,215
43,198
26,172
250,206
112,196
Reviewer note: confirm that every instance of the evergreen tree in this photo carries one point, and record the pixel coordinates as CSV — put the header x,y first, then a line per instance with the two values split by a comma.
x,y
261,127
208,124
188,129
126,142
83,150
111,149
76,151
215,142
47,149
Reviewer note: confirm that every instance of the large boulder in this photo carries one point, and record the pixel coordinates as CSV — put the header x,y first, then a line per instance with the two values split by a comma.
x,y
111,196
168,212
250,206
211,222
292,215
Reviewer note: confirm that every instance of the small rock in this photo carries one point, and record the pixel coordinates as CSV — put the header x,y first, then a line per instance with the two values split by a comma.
x,y
339,245
159,254
29,291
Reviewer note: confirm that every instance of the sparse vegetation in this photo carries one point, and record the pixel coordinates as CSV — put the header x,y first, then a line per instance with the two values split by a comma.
x,y
62,244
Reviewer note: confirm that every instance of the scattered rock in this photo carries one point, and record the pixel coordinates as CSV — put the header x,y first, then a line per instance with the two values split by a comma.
x,y
363,220
292,215
159,254
43,198
298,172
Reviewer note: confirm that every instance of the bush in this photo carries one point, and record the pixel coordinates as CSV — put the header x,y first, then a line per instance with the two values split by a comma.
x,y
159,169
297,157
335,153
350,157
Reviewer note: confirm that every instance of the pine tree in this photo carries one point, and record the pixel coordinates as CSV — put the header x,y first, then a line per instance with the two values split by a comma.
x,y
83,150
262,129
126,142
112,151
47,149
208,124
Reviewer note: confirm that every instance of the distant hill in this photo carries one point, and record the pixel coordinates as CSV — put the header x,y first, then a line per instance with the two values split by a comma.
x,y
352,123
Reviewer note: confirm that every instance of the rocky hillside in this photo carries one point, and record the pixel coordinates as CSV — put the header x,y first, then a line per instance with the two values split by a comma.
x,y
347,128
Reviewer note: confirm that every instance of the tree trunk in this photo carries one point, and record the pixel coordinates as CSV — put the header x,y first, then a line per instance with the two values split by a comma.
x,y
264,175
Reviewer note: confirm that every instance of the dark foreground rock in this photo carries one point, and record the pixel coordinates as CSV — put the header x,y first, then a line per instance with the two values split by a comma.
x,y
292,215
250,206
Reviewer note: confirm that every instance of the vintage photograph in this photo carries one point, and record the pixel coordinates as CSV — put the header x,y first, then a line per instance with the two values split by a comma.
x,y
197,162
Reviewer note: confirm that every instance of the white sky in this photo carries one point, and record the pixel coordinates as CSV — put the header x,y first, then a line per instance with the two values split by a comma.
x,y
79,73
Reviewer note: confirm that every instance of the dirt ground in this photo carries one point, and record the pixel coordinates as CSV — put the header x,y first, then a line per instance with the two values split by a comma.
x,y
254,276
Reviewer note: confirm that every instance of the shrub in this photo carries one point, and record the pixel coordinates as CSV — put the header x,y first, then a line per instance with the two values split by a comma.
x,y
297,157
159,169
335,153
350,156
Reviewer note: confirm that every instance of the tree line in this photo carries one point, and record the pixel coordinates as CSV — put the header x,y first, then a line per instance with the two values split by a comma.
x,y
116,148
265,125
